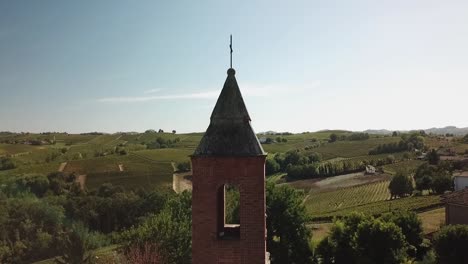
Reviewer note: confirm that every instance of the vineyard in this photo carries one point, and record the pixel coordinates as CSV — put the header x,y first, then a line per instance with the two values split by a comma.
x,y
372,198
319,203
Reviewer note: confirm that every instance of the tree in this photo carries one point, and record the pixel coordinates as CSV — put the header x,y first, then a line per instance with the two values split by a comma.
x,y
442,183
465,138
271,166
432,157
333,137
380,242
424,183
437,178
451,244
29,228
288,234
411,226
36,184
400,185
75,246
173,131
337,247
359,238
170,230
395,134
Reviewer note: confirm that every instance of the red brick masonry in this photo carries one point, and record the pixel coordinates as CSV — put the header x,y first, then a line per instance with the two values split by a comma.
x,y
209,175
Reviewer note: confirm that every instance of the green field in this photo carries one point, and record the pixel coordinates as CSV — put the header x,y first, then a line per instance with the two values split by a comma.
x,y
322,203
372,198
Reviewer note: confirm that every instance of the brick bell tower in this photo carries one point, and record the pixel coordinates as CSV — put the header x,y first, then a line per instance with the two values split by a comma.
x,y
229,154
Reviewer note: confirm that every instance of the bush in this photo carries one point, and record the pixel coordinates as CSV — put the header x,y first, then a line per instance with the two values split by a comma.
x,y
271,166
170,229
148,253
6,164
451,244
184,166
36,184
123,152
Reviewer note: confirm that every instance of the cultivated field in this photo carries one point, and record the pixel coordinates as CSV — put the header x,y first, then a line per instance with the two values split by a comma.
x,y
97,156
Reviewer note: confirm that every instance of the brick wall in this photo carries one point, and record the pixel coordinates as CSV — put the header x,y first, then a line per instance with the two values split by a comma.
x,y
210,174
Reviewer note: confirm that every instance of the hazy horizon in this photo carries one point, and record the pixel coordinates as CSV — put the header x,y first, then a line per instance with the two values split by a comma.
x,y
305,66
169,130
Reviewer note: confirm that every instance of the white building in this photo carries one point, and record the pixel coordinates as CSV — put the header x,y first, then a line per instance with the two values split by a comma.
x,y
460,181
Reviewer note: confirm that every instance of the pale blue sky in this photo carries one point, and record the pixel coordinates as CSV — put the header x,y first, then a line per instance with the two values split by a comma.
x,y
112,65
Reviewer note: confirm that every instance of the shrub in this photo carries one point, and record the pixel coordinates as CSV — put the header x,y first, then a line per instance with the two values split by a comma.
x,y
75,246
451,244
148,253
271,166
6,163
184,166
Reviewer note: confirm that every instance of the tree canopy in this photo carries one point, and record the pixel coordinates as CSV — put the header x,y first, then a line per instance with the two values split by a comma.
x,y
288,235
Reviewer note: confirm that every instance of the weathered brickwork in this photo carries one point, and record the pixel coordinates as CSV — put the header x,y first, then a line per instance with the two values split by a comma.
x,y
210,174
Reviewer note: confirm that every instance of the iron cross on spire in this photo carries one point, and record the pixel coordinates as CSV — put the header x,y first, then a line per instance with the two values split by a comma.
x,y
230,46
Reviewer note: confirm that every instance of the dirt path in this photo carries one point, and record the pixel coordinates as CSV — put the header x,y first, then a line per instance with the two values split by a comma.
x,y
180,182
62,166
81,179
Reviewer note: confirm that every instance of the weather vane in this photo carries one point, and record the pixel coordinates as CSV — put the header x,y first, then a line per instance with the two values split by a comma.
x,y
230,46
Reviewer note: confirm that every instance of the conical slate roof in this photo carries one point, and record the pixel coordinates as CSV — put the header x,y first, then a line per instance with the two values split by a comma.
x,y
229,132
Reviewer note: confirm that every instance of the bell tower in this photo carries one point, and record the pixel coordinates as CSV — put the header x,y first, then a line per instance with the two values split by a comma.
x,y
229,156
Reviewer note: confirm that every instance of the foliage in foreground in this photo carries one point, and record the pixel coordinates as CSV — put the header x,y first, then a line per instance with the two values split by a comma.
x,y
288,235
358,238
76,245
451,244
170,230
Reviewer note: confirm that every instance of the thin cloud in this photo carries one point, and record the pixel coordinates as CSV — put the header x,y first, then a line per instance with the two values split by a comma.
x,y
132,99
152,91
248,90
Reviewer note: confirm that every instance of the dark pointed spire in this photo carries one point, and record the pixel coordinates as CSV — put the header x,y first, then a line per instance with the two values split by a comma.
x,y
229,132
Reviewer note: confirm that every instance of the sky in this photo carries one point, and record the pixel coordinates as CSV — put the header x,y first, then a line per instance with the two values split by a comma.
x,y
110,66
